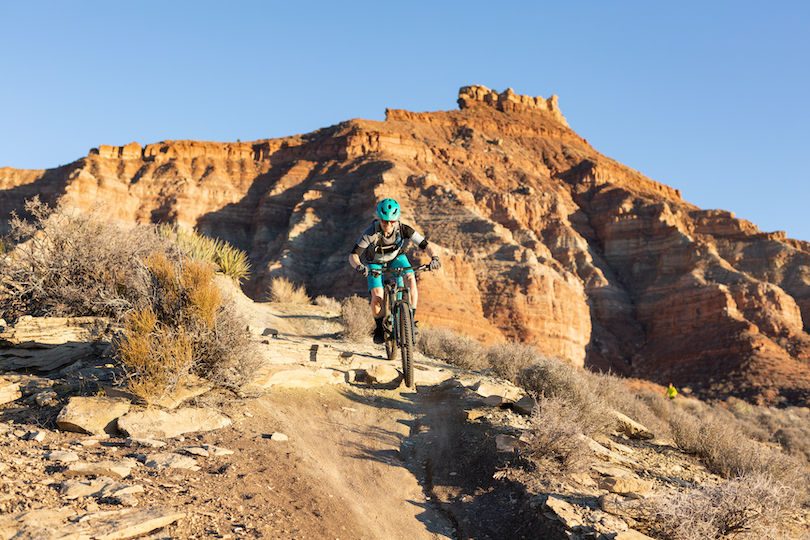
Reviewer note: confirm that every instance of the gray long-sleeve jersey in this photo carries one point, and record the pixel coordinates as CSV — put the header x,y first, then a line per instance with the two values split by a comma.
x,y
373,247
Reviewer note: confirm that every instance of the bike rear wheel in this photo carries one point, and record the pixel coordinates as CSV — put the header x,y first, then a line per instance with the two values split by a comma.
x,y
407,342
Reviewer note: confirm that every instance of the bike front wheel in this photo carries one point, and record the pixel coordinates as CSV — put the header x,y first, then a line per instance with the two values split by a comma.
x,y
406,342
391,350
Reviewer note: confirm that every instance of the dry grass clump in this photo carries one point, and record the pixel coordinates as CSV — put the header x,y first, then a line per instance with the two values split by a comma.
x,y
328,303
72,263
749,506
356,318
458,350
284,291
231,261
183,328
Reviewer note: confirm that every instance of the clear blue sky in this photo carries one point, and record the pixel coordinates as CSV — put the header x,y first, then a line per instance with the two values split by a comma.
x,y
709,97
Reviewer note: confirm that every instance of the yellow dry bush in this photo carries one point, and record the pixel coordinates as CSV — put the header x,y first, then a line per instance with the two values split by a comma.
x,y
164,273
156,359
204,298
184,329
164,362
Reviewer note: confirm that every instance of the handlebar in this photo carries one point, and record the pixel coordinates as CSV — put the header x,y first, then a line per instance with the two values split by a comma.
x,y
399,270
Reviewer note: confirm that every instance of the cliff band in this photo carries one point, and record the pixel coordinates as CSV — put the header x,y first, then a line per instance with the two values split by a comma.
x,y
545,240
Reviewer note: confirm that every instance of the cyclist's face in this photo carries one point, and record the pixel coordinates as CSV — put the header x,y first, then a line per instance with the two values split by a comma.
x,y
387,226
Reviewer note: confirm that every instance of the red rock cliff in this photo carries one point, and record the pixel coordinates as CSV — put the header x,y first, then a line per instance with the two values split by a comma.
x,y
544,239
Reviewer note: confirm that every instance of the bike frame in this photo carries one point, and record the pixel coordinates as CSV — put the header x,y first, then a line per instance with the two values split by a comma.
x,y
398,325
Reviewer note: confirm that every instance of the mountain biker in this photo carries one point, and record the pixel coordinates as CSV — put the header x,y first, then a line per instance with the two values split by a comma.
x,y
382,243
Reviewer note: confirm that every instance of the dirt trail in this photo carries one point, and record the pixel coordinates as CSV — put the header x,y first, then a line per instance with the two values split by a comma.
x,y
365,462
357,461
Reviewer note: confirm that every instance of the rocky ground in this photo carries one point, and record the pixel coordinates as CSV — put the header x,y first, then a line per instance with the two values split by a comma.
x,y
329,444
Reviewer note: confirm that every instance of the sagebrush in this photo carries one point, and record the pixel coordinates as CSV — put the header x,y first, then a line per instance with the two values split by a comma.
x,y
356,318
67,262
748,506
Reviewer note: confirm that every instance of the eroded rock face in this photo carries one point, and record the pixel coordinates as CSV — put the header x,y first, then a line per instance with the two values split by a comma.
x,y
544,239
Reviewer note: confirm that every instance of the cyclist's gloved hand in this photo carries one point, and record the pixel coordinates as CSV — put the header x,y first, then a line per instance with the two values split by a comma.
x,y
435,264
361,269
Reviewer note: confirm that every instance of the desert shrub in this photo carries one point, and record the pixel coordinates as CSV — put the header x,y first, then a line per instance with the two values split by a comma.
x,y
795,440
543,376
72,263
749,506
555,434
157,358
458,350
231,261
328,303
725,448
614,391
356,318
284,291
183,328
511,360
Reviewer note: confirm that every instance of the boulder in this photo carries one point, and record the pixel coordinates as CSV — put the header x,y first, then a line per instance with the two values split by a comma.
x,y
92,415
631,428
9,391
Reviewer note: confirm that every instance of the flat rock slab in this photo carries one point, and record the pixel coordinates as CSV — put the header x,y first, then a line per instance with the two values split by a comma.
x,y
631,428
113,469
171,461
9,391
93,415
47,524
156,424
101,489
62,456
299,377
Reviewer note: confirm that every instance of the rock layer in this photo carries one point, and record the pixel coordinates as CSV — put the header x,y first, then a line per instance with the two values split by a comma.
x,y
543,239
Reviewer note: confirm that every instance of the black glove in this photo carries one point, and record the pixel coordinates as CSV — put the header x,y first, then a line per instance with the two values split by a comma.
x,y
435,264
361,269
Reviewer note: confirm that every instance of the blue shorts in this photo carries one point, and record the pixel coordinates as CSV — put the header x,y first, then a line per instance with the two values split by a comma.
x,y
377,281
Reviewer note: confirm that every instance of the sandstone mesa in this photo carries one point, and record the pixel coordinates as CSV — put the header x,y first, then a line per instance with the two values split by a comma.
x,y
544,239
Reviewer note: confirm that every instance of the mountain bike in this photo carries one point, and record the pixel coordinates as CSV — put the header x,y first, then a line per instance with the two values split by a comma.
x,y
398,323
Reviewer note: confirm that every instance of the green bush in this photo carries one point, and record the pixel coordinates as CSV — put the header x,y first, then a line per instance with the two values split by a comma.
x,y
232,262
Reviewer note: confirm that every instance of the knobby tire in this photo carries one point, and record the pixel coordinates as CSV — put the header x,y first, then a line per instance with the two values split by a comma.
x,y
406,340
391,349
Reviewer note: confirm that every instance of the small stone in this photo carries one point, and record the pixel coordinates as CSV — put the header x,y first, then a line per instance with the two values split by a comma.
x,y
46,398
37,436
62,456
148,443
216,450
196,451
278,437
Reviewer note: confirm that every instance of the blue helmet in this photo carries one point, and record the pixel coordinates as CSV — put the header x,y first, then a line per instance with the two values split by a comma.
x,y
388,210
